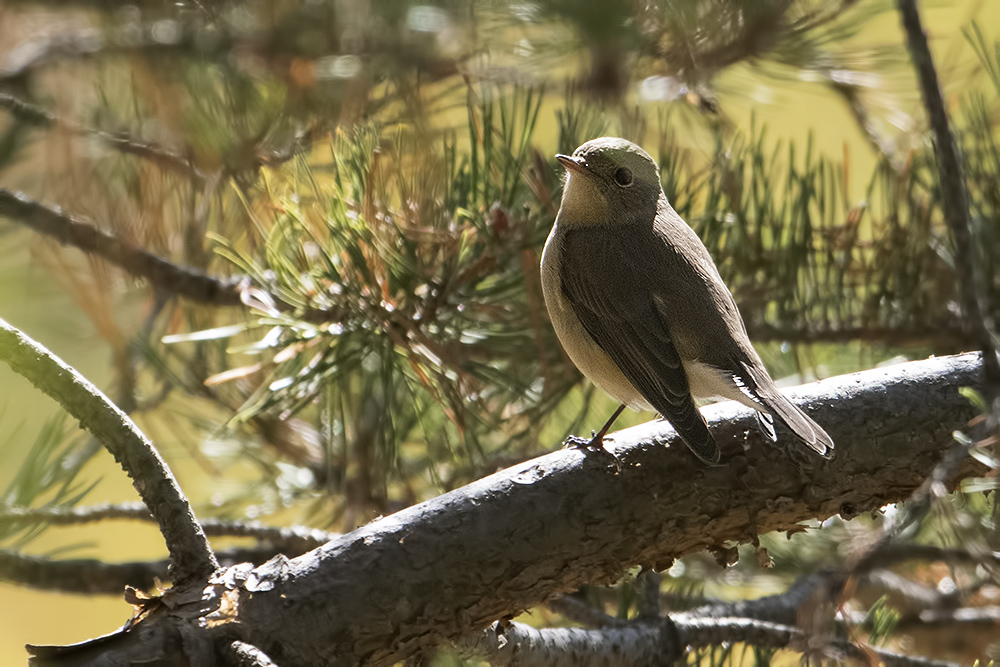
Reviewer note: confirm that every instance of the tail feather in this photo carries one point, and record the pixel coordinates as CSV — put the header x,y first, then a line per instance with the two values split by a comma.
x,y
766,423
801,424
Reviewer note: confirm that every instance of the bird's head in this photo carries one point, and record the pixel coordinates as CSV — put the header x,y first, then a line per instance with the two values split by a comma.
x,y
609,181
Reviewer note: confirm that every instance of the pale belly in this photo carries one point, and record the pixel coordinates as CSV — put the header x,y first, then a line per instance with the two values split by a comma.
x,y
581,348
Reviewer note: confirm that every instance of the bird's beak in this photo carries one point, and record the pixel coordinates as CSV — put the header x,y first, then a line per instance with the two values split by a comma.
x,y
577,164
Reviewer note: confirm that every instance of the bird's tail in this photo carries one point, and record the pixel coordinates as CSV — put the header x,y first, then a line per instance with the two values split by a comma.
x,y
799,422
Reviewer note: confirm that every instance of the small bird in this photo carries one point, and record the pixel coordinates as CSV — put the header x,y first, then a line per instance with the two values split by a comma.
x,y
641,309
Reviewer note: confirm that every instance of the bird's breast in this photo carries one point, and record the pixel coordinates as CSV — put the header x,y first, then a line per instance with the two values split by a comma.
x,y
588,356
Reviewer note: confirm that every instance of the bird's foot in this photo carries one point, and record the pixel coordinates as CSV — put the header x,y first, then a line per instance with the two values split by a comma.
x,y
594,449
594,444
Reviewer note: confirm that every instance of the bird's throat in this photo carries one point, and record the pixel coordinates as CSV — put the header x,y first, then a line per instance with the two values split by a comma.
x,y
582,201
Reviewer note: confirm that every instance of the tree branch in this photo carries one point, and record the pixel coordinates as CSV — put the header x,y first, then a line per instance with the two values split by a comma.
x,y
119,141
92,576
954,200
560,521
439,570
654,643
893,554
190,554
82,234
293,539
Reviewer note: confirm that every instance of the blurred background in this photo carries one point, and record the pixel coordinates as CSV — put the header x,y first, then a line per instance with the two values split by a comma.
x,y
362,190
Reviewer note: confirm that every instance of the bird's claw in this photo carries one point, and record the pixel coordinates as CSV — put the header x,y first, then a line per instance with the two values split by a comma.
x,y
594,443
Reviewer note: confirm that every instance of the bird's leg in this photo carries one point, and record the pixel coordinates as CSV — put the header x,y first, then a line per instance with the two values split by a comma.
x,y
596,442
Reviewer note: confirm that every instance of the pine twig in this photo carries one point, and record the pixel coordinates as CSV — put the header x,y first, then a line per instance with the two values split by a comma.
x,y
119,141
293,540
87,576
954,198
893,554
190,554
84,235
782,608
93,576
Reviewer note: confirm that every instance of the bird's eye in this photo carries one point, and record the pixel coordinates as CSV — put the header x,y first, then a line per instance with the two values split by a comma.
x,y
623,176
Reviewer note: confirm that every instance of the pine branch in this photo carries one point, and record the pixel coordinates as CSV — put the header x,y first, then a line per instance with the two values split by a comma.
x,y
578,611
119,141
978,316
781,609
288,540
512,643
661,642
87,576
887,555
83,234
94,576
191,556
910,598
989,616
397,552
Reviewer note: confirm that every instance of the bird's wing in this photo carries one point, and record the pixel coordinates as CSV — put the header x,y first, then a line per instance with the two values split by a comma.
x,y
710,311
613,302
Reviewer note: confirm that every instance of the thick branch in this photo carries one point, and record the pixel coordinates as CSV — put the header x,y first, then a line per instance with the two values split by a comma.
x,y
509,541
190,554
82,234
439,570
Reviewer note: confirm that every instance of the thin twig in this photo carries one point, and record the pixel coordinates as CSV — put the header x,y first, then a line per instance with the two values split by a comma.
x,y
886,146
782,608
36,115
86,576
648,584
954,199
291,540
578,611
893,554
190,554
92,576
916,507
84,235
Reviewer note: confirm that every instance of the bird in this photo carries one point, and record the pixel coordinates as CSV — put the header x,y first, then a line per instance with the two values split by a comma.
x,y
639,306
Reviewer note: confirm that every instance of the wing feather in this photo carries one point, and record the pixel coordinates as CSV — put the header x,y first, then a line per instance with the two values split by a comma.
x,y
611,299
